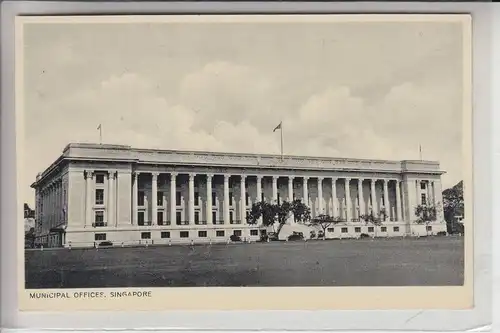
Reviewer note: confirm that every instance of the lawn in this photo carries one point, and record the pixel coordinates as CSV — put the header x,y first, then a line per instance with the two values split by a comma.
x,y
433,261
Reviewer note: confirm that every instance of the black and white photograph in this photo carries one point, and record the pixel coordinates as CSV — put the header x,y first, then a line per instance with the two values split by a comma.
x,y
252,151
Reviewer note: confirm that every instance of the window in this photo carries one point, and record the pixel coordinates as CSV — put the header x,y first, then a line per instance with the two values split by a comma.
x,y
196,217
383,229
202,234
214,217
371,229
219,233
237,233
230,199
178,218
145,235
99,179
165,234
140,218
196,198
178,198
99,196
159,218
184,234
254,232
140,198
100,237
344,230
99,218
423,199
357,229
428,228
330,229
231,215
422,185
159,198
396,229
214,199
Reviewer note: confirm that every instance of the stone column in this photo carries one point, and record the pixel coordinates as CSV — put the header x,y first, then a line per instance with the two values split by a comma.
x,y
154,198
417,192
109,209
209,199
259,189
259,195
305,191
334,197
361,201
290,188
373,196
135,189
226,199
430,195
398,202
173,197
191,198
59,204
320,195
243,208
275,189
348,199
88,207
434,199
386,198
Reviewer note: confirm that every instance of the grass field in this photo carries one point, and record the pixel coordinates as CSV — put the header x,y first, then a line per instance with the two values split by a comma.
x,y
429,261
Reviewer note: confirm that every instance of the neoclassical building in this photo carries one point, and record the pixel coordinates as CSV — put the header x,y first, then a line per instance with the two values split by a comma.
x,y
97,192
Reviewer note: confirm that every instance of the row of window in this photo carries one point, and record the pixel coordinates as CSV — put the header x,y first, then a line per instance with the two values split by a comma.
x,y
345,230
183,234
99,218
99,198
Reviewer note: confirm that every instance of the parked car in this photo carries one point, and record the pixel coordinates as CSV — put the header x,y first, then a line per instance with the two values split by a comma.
x,y
296,236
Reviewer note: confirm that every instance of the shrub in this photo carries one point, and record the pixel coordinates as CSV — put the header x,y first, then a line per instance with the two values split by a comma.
x,y
364,236
441,233
296,236
235,238
106,243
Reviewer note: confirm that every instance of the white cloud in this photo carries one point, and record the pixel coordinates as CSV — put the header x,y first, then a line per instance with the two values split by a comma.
x,y
225,107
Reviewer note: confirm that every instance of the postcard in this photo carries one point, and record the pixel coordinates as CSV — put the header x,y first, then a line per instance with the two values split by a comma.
x,y
196,162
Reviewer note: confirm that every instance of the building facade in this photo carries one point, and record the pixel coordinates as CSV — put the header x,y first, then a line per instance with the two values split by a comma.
x,y
111,193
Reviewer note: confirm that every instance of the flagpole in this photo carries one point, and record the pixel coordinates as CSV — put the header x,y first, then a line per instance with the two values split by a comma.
x,y
281,131
100,134
420,151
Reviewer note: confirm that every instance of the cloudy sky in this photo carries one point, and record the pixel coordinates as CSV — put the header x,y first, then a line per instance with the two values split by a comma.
x,y
363,90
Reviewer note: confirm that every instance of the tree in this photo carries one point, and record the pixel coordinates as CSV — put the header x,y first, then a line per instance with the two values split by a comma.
x,y
370,218
453,206
325,221
301,213
426,214
270,213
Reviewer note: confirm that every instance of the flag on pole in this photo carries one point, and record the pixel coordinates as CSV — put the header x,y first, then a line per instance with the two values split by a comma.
x,y
279,127
99,128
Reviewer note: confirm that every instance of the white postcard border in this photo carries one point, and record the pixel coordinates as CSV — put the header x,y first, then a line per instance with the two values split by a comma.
x,y
478,156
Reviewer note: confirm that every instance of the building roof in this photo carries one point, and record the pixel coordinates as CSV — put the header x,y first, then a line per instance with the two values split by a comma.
x,y
124,153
